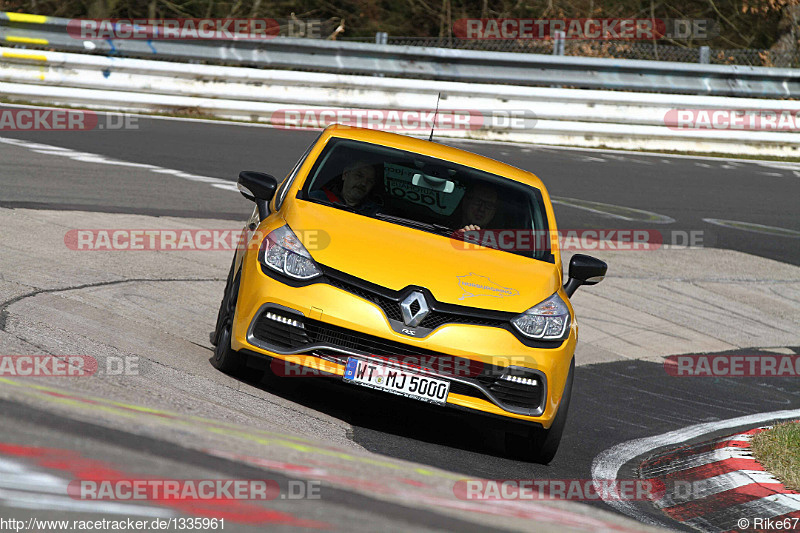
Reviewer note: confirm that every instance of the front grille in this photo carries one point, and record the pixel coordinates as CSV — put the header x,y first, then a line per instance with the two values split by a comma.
x,y
438,318
314,331
390,305
294,332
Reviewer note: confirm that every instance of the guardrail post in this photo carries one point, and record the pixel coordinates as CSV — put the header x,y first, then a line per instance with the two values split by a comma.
x,y
705,54
558,43
381,37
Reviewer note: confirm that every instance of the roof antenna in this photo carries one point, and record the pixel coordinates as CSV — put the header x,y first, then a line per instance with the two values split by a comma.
x,y
435,115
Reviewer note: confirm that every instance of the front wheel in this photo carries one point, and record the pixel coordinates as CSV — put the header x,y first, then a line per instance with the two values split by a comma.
x,y
540,445
225,358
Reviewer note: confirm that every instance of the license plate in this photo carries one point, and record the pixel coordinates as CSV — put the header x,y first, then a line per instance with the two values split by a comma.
x,y
396,381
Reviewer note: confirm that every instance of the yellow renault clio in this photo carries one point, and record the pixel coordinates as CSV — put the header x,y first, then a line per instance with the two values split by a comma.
x,y
412,268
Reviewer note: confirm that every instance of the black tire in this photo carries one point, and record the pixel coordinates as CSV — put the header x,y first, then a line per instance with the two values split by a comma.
x,y
226,359
221,314
540,445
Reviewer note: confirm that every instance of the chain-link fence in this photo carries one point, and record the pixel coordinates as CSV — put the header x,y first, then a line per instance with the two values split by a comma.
x,y
619,49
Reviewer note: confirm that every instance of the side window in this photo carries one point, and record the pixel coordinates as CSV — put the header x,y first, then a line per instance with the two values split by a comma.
x,y
287,183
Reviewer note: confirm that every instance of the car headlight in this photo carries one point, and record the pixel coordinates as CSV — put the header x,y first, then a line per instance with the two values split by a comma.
x,y
283,252
547,320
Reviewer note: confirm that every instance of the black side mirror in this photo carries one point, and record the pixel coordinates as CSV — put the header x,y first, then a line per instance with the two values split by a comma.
x,y
259,188
584,270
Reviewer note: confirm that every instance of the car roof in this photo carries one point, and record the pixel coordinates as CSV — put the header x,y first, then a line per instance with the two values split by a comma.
x,y
433,149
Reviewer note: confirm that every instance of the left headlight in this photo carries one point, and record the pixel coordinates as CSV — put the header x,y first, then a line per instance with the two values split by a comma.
x,y
547,320
283,252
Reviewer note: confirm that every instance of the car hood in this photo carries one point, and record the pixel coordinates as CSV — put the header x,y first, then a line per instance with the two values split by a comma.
x,y
395,257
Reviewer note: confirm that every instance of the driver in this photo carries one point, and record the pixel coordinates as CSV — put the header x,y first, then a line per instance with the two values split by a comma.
x,y
357,182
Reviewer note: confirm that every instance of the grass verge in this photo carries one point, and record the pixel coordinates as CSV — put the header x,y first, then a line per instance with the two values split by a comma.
x,y
778,450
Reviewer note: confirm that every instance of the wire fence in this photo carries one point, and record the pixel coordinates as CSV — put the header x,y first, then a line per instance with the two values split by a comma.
x,y
619,50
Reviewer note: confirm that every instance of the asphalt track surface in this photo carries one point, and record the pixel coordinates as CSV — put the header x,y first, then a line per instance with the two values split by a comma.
x,y
686,190
612,402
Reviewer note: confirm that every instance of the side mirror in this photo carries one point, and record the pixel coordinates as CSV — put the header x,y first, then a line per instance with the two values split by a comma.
x,y
257,185
584,270
259,188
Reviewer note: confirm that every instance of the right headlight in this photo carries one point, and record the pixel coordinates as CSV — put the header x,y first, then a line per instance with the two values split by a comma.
x,y
283,252
547,320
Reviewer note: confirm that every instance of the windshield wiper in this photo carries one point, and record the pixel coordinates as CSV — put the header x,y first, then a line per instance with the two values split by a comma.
x,y
443,229
433,228
343,207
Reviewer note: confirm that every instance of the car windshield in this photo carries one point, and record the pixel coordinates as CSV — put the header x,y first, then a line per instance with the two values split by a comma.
x,y
431,195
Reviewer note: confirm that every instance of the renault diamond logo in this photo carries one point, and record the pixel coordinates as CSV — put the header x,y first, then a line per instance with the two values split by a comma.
x,y
414,309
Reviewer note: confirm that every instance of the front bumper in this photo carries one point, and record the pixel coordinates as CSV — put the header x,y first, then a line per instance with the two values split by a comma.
x,y
322,325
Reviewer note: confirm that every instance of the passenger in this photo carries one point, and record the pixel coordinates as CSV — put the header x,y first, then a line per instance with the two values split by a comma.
x,y
478,207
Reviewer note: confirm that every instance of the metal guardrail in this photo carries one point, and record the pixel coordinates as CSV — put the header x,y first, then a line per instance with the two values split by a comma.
x,y
422,63
578,117
642,50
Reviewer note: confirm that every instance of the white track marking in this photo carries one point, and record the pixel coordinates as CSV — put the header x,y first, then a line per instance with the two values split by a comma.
x,y
666,158
614,211
30,500
770,506
23,487
87,157
752,227
701,459
629,159
607,464
780,165
14,475
715,485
